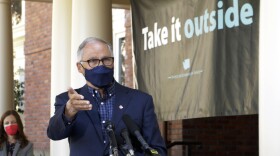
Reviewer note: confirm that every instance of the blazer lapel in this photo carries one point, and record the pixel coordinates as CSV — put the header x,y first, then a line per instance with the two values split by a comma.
x,y
121,103
119,107
3,149
93,114
16,149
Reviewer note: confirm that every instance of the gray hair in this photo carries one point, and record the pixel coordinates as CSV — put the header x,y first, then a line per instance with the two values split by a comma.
x,y
91,40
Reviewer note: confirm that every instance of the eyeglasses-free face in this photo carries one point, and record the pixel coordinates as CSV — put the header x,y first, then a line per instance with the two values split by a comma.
x,y
9,120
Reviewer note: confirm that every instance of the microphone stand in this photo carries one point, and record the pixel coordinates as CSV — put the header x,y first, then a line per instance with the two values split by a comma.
x,y
113,150
125,150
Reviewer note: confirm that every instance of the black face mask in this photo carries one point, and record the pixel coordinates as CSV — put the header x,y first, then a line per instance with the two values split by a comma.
x,y
100,76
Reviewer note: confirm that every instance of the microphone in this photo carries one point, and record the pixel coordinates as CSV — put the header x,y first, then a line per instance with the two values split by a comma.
x,y
133,129
109,126
124,134
123,146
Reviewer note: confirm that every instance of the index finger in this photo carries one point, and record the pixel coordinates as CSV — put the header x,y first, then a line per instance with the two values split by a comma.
x,y
71,90
73,94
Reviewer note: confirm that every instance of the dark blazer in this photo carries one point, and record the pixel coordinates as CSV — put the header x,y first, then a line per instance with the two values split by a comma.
x,y
85,132
26,151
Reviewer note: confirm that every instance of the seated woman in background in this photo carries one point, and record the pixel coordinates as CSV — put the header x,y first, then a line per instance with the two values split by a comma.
x,y
13,141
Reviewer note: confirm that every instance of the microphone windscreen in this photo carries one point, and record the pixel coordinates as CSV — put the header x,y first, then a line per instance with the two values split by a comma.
x,y
109,125
132,127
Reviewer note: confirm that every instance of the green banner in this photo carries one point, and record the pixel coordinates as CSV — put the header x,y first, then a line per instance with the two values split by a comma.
x,y
197,58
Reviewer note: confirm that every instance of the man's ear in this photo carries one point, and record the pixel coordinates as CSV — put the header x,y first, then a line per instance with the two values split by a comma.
x,y
80,68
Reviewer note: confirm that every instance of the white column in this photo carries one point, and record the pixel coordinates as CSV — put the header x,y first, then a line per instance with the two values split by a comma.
x,y
60,61
269,79
89,18
6,57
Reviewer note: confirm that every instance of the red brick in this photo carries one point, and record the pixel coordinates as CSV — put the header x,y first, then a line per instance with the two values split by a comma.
x,y
37,73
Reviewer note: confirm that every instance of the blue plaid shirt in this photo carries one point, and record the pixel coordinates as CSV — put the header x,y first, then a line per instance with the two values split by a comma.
x,y
105,105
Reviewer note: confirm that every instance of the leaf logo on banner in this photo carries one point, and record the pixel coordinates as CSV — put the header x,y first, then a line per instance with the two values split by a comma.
x,y
186,64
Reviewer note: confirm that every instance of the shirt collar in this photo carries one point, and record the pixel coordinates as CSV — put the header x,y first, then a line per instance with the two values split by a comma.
x,y
108,91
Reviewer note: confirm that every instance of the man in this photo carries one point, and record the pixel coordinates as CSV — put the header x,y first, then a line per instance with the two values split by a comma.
x,y
81,115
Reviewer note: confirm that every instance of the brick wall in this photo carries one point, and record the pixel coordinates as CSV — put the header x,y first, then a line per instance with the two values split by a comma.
x,y
219,136
128,44
37,74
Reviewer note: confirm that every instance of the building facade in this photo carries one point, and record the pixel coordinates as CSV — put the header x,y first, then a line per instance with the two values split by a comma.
x,y
47,50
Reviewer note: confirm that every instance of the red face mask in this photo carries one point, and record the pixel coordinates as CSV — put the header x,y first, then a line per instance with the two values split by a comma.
x,y
11,129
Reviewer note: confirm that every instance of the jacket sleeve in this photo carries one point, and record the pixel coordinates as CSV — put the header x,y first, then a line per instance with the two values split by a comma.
x,y
151,130
59,128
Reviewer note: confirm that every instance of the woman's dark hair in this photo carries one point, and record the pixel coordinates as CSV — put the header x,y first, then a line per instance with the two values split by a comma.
x,y
20,136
